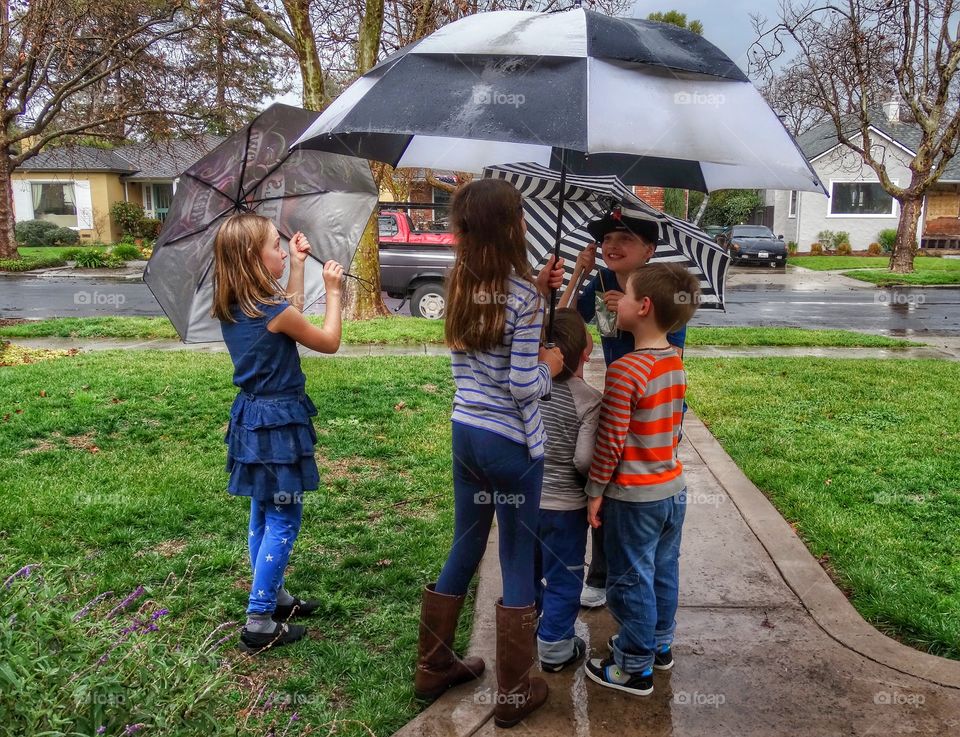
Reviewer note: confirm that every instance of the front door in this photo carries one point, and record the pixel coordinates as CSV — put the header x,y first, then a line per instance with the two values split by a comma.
x,y
162,197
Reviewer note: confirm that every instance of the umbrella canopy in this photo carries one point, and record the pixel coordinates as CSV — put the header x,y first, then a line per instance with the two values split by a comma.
x,y
650,102
326,196
588,198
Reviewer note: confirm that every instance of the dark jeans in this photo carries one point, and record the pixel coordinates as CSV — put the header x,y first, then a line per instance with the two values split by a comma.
x,y
643,555
597,574
493,474
559,577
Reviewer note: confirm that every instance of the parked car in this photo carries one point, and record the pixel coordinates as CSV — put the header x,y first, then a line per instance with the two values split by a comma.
x,y
414,263
714,231
754,244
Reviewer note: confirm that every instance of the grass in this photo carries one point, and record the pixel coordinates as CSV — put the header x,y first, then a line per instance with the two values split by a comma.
x,y
410,330
861,456
930,270
32,252
115,460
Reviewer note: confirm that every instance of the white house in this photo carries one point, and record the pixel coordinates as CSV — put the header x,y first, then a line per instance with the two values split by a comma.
x,y
857,204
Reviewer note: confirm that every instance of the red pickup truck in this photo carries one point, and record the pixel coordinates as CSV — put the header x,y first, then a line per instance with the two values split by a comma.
x,y
414,263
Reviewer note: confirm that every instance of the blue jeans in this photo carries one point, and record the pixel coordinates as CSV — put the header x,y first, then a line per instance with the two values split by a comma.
x,y
493,474
273,530
563,546
642,543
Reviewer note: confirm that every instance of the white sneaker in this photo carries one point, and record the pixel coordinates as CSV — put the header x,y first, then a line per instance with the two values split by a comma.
x,y
593,597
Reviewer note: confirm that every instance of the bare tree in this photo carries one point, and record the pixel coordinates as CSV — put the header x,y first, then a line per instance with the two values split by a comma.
x,y
793,96
848,51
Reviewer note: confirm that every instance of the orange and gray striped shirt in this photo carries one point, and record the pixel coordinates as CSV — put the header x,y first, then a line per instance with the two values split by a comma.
x,y
635,459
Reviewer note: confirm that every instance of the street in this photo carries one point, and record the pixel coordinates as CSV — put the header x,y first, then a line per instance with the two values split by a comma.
x,y
755,297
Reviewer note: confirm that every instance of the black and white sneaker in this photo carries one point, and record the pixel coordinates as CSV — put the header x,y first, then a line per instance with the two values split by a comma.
x,y
296,608
607,673
283,634
662,657
579,650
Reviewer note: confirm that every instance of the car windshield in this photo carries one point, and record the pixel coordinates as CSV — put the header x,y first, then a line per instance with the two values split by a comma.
x,y
752,231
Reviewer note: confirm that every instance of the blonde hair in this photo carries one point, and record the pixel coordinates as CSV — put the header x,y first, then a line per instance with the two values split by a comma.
x,y
239,276
486,216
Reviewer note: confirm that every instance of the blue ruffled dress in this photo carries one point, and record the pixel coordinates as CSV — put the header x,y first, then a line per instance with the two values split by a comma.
x,y
270,439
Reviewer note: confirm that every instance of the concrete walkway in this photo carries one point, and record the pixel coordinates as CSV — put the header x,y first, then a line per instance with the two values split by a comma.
x,y
946,348
766,644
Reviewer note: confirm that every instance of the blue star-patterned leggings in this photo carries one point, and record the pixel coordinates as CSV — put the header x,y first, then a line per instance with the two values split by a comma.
x,y
273,530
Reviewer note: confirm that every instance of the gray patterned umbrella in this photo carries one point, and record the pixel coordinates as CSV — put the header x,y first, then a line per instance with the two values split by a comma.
x,y
327,196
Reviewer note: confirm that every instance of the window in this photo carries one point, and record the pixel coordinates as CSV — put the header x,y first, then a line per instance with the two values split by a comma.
x,y
388,226
860,198
794,197
56,202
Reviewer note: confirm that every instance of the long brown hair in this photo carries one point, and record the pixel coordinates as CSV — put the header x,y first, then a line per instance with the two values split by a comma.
x,y
239,276
486,216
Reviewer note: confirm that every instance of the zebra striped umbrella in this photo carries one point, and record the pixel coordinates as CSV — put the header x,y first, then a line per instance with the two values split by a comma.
x,y
588,198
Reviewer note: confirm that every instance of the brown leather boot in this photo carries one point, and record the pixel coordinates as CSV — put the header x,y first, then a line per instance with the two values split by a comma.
x,y
438,667
517,693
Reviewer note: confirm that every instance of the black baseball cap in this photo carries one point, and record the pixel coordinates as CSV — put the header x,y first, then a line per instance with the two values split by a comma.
x,y
648,230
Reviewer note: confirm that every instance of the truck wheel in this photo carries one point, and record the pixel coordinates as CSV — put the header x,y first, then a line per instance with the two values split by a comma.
x,y
429,301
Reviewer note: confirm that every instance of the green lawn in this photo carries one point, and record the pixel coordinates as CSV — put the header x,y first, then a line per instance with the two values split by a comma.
x,y
413,331
862,457
873,269
31,252
113,478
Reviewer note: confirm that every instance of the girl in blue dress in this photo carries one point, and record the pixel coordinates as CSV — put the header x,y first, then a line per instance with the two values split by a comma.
x,y
270,438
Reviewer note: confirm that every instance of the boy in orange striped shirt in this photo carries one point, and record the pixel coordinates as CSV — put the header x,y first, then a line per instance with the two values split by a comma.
x,y
638,480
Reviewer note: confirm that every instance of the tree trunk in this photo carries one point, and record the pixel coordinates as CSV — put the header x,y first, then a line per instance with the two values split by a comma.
x,y
364,300
702,209
8,241
905,248
308,57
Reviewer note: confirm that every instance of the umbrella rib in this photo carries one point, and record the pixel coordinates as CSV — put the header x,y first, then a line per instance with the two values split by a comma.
x,y
215,188
243,166
271,170
199,230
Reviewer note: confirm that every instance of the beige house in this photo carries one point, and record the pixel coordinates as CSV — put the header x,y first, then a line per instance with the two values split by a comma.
x,y
856,203
76,186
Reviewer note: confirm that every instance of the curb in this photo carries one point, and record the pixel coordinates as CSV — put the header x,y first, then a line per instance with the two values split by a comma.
x,y
818,594
459,713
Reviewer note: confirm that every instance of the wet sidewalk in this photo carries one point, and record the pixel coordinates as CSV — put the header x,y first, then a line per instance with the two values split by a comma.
x,y
766,644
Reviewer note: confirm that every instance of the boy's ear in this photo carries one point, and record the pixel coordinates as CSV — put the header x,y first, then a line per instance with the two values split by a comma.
x,y
646,306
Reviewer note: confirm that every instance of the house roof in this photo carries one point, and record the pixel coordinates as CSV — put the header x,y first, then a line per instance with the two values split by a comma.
x,y
150,160
823,137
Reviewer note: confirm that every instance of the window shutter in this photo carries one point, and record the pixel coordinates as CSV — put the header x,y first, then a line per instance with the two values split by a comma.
x,y
22,200
81,193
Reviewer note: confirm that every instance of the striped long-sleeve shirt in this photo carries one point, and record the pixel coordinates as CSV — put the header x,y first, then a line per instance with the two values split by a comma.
x,y
499,390
636,454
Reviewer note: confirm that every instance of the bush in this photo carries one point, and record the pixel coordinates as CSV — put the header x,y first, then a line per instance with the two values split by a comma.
x,y
127,252
64,237
792,248
887,238
127,215
26,264
34,232
816,249
874,249
832,241
91,259
843,249
149,228
71,253
113,261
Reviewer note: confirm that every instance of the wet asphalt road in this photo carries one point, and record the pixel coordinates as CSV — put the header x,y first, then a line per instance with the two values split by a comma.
x,y
755,297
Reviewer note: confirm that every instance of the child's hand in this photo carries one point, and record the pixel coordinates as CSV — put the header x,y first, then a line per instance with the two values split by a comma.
x,y
550,277
611,298
299,248
587,258
553,357
594,503
332,277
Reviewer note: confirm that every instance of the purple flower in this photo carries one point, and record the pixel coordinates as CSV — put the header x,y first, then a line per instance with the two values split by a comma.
x,y
294,717
133,729
89,605
159,613
22,573
131,597
101,730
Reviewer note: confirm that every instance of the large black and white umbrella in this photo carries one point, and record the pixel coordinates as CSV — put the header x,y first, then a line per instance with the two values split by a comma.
x,y
588,198
649,102
326,196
